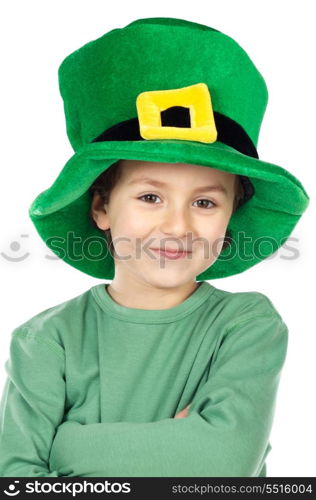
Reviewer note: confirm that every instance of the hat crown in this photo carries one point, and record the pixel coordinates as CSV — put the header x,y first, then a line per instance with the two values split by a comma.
x,y
100,81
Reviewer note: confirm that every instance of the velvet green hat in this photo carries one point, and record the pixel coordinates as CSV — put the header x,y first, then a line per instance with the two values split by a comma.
x,y
174,91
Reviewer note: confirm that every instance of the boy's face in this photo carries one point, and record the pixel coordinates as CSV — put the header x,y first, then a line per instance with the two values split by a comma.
x,y
179,215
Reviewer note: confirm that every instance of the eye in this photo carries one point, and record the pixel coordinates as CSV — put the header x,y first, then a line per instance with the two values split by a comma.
x,y
208,201
150,194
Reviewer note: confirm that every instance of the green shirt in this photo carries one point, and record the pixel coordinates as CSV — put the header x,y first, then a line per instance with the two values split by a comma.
x,y
92,388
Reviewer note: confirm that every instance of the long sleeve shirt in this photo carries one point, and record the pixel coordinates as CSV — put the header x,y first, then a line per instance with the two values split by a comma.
x,y
92,388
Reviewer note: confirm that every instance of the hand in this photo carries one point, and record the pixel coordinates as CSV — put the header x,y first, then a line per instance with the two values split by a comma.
x,y
183,413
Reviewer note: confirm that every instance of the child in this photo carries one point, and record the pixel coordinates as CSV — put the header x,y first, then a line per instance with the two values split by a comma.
x,y
157,373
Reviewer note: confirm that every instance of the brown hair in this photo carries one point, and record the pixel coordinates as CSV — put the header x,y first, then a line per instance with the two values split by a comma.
x,y
106,182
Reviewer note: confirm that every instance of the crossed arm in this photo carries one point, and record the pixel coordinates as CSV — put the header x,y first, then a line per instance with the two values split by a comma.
x,y
224,432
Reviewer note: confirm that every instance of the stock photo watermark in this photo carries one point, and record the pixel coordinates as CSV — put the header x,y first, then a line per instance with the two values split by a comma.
x,y
96,248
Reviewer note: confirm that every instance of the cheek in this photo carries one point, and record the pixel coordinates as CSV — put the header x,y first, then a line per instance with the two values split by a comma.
x,y
215,227
128,226
212,236
127,233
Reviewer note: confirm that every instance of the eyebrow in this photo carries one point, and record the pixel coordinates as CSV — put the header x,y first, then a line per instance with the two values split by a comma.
x,y
154,182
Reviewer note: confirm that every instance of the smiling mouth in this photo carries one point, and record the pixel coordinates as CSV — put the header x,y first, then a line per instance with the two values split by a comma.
x,y
172,254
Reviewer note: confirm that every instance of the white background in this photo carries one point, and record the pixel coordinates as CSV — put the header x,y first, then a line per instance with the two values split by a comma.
x,y
279,36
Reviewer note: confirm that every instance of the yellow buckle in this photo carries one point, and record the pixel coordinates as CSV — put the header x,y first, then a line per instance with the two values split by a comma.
x,y
195,97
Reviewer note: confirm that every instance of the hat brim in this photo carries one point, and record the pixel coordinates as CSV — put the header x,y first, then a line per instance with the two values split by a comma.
x,y
257,229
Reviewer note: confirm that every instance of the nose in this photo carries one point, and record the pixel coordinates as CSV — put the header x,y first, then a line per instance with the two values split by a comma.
x,y
176,222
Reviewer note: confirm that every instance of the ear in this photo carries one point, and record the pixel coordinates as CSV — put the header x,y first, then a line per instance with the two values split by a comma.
x,y
98,212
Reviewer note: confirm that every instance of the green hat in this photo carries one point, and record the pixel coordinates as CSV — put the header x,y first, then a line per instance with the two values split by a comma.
x,y
174,91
